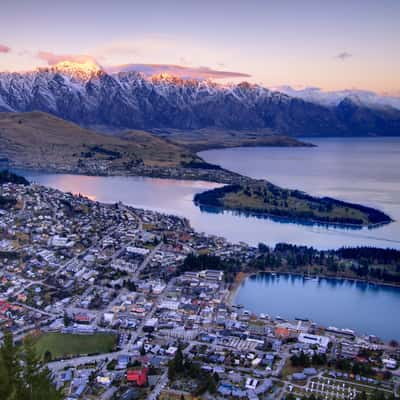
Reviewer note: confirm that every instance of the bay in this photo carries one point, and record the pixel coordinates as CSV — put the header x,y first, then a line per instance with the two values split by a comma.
x,y
365,171
363,307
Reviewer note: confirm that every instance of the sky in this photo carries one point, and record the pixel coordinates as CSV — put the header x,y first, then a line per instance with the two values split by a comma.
x,y
332,45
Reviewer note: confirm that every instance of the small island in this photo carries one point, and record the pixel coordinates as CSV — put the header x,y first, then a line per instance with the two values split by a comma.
x,y
261,198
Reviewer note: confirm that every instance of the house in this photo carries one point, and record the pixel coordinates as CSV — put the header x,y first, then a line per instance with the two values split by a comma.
x,y
122,361
389,363
137,376
251,383
150,325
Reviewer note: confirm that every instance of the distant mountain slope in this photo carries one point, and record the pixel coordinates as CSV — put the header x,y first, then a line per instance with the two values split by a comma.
x,y
40,140
213,138
89,96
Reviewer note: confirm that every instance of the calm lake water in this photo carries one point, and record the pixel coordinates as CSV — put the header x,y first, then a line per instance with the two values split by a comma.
x,y
359,170
365,308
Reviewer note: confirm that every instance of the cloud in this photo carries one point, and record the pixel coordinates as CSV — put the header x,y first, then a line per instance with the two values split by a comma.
x,y
178,70
334,97
52,58
4,48
344,55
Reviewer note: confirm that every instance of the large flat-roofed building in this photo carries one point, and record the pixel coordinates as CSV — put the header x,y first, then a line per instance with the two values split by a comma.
x,y
321,341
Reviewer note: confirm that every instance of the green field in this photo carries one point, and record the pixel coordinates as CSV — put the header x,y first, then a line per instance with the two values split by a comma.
x,y
64,345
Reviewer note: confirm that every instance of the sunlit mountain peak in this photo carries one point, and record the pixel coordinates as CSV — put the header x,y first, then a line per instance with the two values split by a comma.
x,y
166,77
80,70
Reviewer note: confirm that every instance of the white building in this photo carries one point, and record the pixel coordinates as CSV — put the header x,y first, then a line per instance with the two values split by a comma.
x,y
320,341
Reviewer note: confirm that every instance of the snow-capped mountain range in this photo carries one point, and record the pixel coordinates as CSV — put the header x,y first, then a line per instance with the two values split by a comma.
x,y
84,93
333,98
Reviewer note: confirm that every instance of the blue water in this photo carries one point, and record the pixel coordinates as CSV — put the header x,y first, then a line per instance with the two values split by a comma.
x,y
360,170
365,308
366,171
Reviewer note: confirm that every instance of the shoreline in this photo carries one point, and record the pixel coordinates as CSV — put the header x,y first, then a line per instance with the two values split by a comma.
x,y
217,175
301,221
239,279
244,275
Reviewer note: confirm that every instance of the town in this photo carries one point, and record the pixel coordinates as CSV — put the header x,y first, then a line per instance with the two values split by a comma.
x,y
124,303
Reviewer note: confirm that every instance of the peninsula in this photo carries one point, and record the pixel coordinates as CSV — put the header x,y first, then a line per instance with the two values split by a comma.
x,y
40,141
261,198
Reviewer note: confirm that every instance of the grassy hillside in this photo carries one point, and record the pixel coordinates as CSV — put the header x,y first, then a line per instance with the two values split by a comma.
x,y
158,151
263,198
39,140
205,139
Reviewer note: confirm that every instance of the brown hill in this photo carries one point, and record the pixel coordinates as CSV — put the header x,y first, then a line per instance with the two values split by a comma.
x,y
42,141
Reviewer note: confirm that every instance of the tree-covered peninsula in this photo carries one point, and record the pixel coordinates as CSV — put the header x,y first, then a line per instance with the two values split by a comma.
x,y
261,198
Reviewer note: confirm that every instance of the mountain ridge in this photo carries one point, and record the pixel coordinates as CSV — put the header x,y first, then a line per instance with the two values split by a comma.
x,y
87,95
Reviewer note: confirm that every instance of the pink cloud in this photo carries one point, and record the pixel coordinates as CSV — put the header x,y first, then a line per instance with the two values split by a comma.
x,y
4,48
52,58
178,70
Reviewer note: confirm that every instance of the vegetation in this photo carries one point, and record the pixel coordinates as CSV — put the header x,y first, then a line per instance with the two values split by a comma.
x,y
182,368
7,202
42,141
366,263
22,376
304,361
204,261
265,199
64,345
9,177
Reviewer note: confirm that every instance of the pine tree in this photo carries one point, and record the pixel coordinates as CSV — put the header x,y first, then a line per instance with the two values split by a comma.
x,y
9,368
22,376
36,378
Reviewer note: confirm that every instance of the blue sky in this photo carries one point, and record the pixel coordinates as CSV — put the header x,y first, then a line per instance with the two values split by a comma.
x,y
328,44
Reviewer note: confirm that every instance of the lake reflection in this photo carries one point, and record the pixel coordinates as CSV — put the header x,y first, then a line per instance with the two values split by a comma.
x,y
363,307
366,171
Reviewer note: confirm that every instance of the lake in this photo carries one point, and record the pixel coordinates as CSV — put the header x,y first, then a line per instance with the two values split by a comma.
x,y
363,307
363,170
360,170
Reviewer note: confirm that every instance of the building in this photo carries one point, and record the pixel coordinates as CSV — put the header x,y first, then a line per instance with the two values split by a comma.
x,y
137,376
389,363
150,325
320,341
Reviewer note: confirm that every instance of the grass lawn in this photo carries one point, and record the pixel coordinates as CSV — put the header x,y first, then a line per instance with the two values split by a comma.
x,y
64,345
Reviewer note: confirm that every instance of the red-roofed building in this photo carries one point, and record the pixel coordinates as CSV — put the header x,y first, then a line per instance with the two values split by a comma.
x,y
138,376
82,318
4,307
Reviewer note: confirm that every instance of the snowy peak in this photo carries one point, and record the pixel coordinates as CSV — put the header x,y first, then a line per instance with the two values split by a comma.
x,y
83,93
82,71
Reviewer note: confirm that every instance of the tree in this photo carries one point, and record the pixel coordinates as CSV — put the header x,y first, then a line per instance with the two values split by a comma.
x,y
176,365
47,356
361,396
9,367
67,319
22,376
36,378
